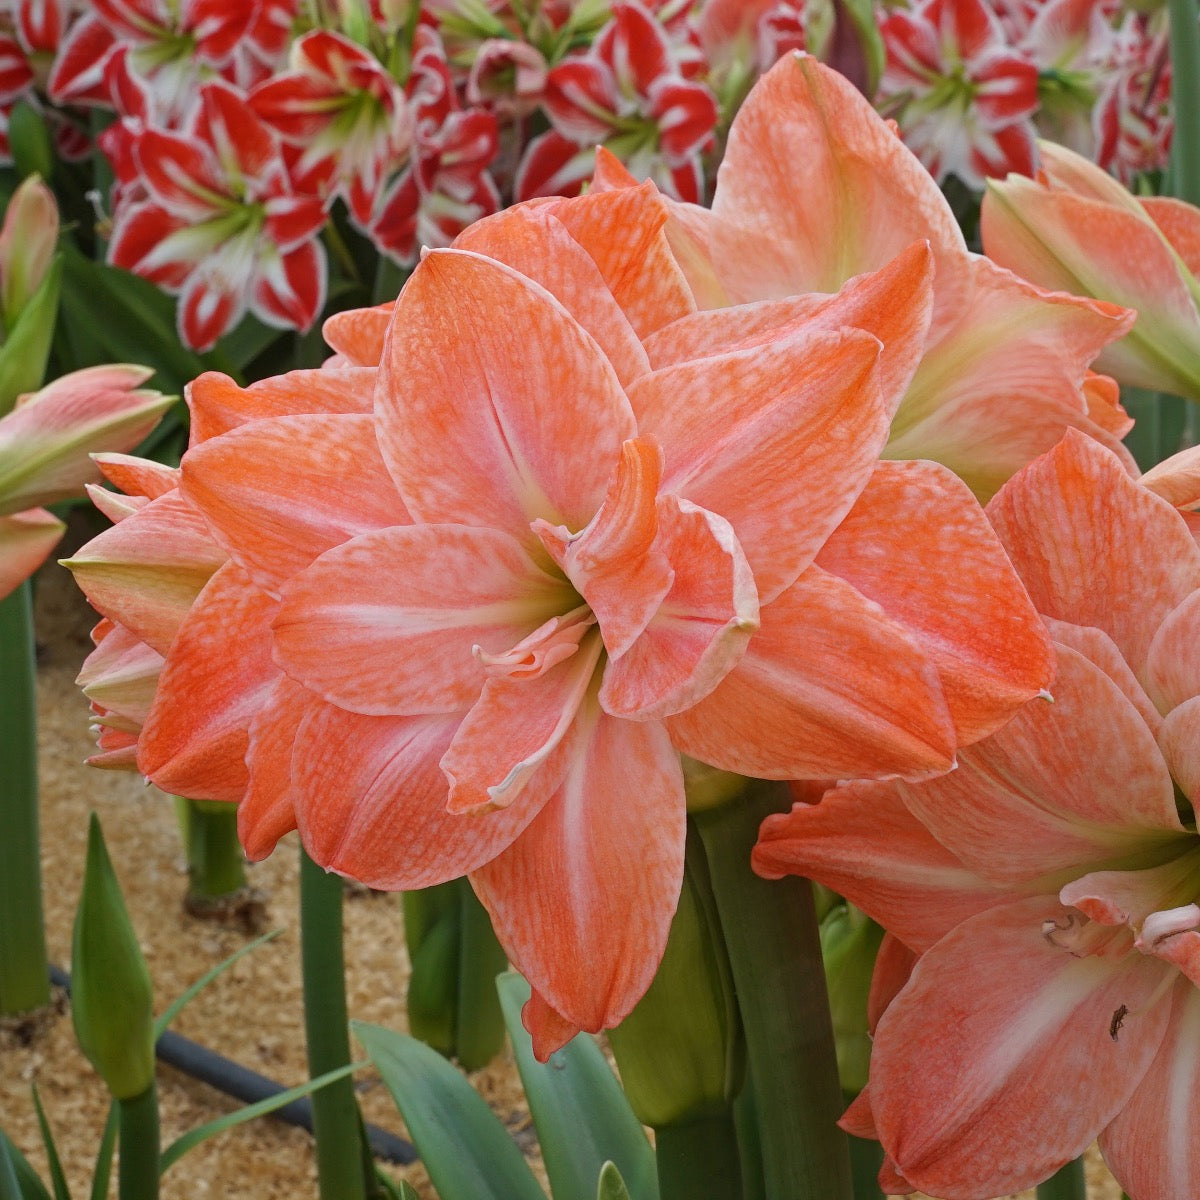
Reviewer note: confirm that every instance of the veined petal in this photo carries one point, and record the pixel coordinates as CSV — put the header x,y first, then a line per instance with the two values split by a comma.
x,y
1179,741
1078,529
521,734
532,240
863,842
1019,1071
483,428
358,335
218,405
1173,661
26,540
582,918
802,422
1068,785
371,801
1153,1145
268,807
252,483
385,623
217,675
137,476
824,195
702,627
918,544
830,688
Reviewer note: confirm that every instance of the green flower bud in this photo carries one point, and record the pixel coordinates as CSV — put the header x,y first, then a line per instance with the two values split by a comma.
x,y
112,1004
849,943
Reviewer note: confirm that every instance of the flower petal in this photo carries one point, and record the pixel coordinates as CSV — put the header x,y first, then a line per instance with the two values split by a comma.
x,y
830,688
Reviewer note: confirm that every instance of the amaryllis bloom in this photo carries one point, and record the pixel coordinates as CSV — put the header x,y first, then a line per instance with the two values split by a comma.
x,y
1050,885
221,225
627,93
815,189
344,112
44,453
1077,229
568,574
963,96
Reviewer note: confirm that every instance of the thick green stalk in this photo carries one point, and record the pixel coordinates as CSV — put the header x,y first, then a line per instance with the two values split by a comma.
x,y
480,1022
699,1158
216,864
1066,1184
774,948
24,977
326,1026
1185,99
138,1146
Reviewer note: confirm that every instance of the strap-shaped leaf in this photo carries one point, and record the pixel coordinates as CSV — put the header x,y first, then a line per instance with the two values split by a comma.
x,y
57,1178
611,1185
18,1180
104,1156
465,1148
582,1117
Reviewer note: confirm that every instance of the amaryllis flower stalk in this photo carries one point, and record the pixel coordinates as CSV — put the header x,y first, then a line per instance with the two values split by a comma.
x,y
1049,886
572,580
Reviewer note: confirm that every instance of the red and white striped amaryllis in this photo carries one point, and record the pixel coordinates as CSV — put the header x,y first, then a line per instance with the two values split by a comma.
x,y
345,115
965,97
628,93
222,225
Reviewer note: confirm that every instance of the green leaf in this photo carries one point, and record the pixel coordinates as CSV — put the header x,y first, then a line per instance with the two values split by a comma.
x,y
57,1178
176,1006
18,1180
611,1185
465,1148
190,1140
104,1156
582,1117
26,349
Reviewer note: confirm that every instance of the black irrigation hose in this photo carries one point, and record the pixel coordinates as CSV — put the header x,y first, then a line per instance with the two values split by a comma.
x,y
249,1086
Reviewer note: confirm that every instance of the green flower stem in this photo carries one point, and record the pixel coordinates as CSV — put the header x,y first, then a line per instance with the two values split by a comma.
x,y
1065,1184
24,976
1185,99
774,949
699,1158
480,1021
335,1112
139,1146
216,865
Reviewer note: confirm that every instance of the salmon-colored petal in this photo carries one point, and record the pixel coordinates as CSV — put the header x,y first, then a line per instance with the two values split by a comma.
x,y
820,194
995,1065
1102,394
1177,479
618,563
1098,648
219,405
1090,247
549,1030
964,606
358,335
699,631
533,241
1068,784
862,842
1129,897
830,688
1173,661
26,540
1179,223
521,733
268,808
1079,529
146,572
1153,1144
1180,744
802,422
385,624
894,964
371,801
217,676
1004,377
894,304
121,675
137,476
582,918
485,428
280,491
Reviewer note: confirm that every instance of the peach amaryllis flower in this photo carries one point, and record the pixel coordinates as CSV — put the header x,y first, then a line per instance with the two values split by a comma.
x,y
1051,884
1077,229
815,188
603,566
